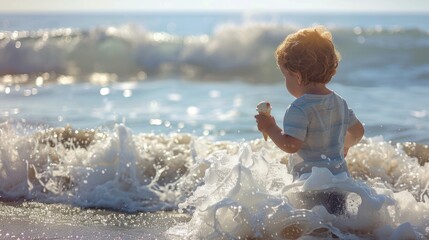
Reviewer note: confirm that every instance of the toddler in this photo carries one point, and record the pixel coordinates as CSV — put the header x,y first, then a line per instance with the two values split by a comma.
x,y
318,127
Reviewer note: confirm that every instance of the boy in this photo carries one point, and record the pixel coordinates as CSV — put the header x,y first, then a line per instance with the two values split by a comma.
x,y
318,127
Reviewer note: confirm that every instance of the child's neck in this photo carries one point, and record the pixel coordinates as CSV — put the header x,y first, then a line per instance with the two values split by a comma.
x,y
316,88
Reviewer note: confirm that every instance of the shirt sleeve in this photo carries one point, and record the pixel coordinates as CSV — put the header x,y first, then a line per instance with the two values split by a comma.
x,y
295,123
352,118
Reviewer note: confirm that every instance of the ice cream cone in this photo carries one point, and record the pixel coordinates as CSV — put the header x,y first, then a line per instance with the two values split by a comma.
x,y
264,108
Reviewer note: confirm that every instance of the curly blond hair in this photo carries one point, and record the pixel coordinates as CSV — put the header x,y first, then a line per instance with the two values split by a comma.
x,y
311,52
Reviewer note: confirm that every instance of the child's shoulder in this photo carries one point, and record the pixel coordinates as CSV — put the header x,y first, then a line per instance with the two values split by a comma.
x,y
310,99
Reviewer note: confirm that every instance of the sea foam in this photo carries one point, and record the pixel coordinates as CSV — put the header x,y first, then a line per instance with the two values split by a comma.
x,y
229,189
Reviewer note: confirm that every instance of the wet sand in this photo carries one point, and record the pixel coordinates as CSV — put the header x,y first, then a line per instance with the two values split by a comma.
x,y
56,221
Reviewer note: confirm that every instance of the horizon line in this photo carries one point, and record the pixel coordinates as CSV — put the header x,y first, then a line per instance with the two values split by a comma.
x,y
202,11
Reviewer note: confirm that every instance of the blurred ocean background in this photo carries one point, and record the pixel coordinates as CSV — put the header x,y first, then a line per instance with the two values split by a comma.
x,y
143,69
109,122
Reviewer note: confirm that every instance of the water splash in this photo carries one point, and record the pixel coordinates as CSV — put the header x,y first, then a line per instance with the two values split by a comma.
x,y
228,189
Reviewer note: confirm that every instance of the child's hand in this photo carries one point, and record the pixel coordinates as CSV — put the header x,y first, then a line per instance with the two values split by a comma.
x,y
264,108
264,122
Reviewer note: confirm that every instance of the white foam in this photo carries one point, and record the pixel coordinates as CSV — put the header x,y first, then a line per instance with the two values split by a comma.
x,y
241,199
230,189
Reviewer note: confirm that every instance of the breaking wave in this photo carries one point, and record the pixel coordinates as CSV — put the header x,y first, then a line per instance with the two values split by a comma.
x,y
233,51
231,189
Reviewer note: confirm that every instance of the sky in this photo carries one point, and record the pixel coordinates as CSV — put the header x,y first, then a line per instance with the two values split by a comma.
x,y
214,5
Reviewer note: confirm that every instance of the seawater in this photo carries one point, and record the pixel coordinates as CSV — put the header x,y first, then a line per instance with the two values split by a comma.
x,y
141,127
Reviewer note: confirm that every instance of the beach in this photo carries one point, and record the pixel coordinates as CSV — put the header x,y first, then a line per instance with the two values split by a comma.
x,y
30,220
142,127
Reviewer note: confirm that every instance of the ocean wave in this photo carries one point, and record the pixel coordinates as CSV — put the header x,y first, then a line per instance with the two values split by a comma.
x,y
211,180
68,157
233,51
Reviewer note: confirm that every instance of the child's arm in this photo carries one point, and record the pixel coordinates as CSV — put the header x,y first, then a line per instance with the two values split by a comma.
x,y
354,135
285,142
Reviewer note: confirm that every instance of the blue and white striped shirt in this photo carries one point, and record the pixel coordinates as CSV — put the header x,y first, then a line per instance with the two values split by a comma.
x,y
321,122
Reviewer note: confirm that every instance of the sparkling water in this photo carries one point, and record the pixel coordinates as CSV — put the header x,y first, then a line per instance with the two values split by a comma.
x,y
140,126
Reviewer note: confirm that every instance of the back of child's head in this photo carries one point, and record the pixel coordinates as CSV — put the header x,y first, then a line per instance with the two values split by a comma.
x,y
311,52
